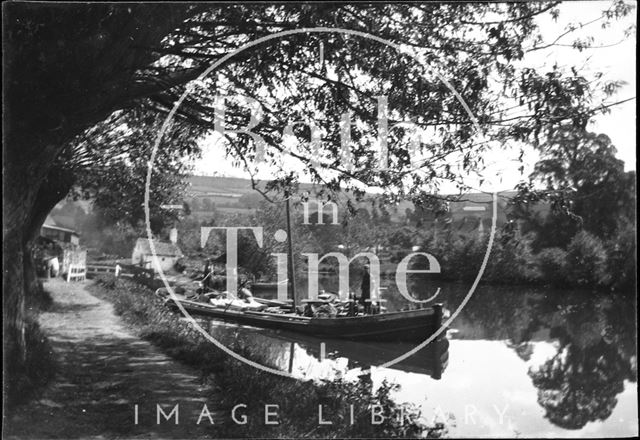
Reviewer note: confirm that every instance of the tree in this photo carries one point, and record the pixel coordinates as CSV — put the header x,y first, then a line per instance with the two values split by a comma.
x,y
70,67
109,166
66,69
587,261
511,260
579,174
622,258
552,263
403,238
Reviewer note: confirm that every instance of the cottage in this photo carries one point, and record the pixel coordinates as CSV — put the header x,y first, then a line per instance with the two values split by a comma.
x,y
52,230
167,254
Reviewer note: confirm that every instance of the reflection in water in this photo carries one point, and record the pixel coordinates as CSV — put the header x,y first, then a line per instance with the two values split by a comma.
x,y
312,358
593,336
580,382
580,385
553,360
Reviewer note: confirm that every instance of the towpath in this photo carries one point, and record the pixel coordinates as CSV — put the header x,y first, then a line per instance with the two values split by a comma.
x,y
104,370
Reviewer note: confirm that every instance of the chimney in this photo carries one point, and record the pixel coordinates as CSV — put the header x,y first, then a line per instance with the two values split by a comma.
x,y
173,235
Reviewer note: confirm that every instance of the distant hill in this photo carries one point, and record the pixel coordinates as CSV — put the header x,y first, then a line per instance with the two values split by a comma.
x,y
231,186
236,195
232,195
199,185
227,194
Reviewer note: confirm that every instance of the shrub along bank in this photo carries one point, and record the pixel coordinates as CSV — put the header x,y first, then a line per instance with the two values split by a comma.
x,y
587,262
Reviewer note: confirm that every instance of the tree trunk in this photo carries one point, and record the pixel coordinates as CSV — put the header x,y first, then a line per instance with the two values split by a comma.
x,y
54,91
18,200
54,189
32,288
23,176
13,301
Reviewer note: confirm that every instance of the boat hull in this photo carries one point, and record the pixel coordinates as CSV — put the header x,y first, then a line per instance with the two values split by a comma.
x,y
405,326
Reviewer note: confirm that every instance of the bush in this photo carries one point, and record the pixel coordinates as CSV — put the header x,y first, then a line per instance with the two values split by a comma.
x,y
298,403
460,258
552,264
587,261
621,258
511,260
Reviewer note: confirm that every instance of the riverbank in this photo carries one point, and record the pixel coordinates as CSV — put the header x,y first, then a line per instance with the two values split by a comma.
x,y
147,356
297,402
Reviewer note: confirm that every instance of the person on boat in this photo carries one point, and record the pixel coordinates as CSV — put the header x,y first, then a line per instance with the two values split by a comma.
x,y
308,311
216,282
352,310
207,272
365,289
245,294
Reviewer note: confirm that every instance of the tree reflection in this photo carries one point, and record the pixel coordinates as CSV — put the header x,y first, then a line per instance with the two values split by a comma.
x,y
596,335
579,384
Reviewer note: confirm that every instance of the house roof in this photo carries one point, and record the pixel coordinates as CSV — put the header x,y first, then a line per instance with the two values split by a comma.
x,y
64,221
58,228
50,223
161,247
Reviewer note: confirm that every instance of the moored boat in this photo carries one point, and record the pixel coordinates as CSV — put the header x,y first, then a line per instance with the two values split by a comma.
x,y
406,326
324,317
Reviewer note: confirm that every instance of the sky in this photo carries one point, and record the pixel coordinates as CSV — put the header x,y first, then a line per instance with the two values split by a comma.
x,y
616,61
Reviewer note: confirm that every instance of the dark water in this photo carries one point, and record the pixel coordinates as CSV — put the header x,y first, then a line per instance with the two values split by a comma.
x,y
528,362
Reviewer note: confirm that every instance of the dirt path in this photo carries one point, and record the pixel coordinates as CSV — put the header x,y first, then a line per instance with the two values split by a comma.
x,y
104,370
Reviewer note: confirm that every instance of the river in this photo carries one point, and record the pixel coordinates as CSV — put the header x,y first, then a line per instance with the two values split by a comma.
x,y
516,361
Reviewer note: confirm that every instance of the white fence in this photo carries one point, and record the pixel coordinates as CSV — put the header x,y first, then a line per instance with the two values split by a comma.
x,y
117,270
76,272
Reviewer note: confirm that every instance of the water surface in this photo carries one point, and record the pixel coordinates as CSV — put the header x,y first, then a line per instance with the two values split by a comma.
x,y
517,361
